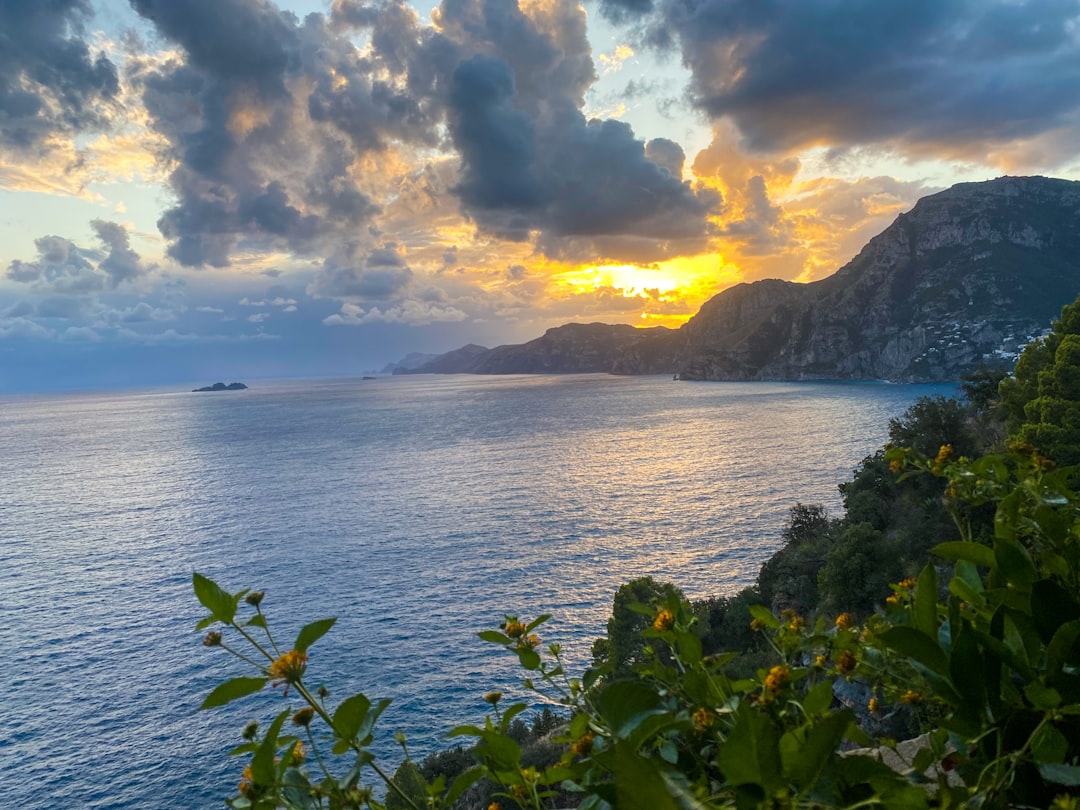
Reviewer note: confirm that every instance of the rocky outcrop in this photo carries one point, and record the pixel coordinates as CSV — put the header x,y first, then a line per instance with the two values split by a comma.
x,y
220,386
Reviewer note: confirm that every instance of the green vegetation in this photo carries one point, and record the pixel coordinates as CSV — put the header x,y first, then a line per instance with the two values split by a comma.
x,y
947,599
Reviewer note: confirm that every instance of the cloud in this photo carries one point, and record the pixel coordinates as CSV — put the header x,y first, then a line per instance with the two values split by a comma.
x,y
412,313
381,275
63,267
923,76
50,82
292,137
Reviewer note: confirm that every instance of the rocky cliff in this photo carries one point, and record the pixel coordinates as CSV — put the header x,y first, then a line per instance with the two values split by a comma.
x,y
968,276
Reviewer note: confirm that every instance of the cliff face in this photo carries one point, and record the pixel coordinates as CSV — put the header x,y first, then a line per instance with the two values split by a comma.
x,y
967,276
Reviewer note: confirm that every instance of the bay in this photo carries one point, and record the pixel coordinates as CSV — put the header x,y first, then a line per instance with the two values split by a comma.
x,y
418,510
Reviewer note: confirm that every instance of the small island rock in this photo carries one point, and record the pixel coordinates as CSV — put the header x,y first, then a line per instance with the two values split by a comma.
x,y
220,386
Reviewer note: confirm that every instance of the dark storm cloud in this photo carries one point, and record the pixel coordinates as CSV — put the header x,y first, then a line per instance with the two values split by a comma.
x,y
622,10
927,72
380,276
121,263
233,40
497,142
532,162
50,82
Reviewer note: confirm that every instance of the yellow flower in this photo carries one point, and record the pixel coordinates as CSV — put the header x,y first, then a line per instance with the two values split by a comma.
x,y
493,697
513,628
796,622
756,625
298,753
530,774
911,697
944,453
494,806
873,705
664,621
778,678
846,663
519,792
895,466
289,668
819,661
212,639
583,745
530,642
703,719
844,621
303,716
909,583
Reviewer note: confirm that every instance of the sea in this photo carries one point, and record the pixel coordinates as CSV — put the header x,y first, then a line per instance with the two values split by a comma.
x,y
418,510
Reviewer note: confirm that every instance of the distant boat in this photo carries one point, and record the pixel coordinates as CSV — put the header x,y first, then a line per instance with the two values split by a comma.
x,y
367,378
220,386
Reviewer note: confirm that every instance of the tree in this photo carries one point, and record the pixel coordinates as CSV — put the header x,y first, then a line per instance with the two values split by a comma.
x,y
624,645
1041,399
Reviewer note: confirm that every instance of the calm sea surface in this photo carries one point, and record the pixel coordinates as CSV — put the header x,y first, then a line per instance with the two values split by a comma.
x,y
416,509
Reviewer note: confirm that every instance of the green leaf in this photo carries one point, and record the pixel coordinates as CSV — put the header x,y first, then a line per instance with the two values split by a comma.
x,y
624,704
312,632
926,602
509,714
370,718
1050,746
1042,697
964,550
494,637
349,716
765,616
539,620
818,698
262,761
258,620
231,690
820,746
530,659
751,754
1051,607
212,597
500,752
640,784
464,781
296,790
1063,648
1060,774
689,647
204,623
918,646
1014,563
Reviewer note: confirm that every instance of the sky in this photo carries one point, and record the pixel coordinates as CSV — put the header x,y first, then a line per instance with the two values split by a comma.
x,y
203,190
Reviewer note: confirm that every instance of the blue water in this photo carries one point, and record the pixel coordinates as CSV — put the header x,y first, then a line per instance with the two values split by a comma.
x,y
416,509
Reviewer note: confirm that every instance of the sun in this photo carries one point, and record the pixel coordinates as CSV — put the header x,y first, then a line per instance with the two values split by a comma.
x,y
669,292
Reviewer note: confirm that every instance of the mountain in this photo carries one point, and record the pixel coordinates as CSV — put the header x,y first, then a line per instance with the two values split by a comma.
x,y
574,348
970,275
413,360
